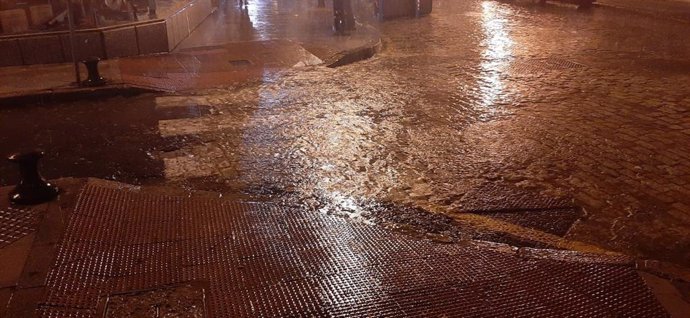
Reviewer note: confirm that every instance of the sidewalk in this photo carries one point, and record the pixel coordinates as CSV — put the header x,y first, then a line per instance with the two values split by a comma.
x,y
267,35
18,81
674,9
299,21
107,249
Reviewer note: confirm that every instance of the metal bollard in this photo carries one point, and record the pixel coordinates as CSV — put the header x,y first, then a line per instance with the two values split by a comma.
x,y
94,78
31,188
321,4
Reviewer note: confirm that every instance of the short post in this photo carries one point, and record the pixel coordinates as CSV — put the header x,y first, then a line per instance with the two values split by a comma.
x,y
94,78
152,9
70,18
321,4
31,188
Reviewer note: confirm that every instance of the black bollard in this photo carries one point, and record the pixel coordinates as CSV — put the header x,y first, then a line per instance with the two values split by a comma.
x,y
32,188
95,78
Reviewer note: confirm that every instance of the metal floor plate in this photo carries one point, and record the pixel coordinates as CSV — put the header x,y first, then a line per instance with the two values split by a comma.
x,y
542,65
554,221
260,260
16,223
497,197
518,206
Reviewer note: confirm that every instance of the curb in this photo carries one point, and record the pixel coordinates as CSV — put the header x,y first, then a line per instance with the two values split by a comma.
x,y
657,15
357,54
354,55
73,94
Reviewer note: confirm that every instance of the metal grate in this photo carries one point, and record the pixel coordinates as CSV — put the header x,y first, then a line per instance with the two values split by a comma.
x,y
264,261
554,221
16,223
541,65
518,206
494,196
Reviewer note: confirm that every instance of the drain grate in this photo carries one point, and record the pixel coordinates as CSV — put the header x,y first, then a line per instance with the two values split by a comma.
x,y
183,112
261,260
16,223
536,66
240,63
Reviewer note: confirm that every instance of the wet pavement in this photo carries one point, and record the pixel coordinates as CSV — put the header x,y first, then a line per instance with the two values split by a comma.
x,y
582,104
302,22
218,66
232,46
478,105
33,79
667,9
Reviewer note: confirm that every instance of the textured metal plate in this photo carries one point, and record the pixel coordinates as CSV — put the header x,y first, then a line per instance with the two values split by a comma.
x,y
264,261
536,66
528,209
16,223
494,197
554,221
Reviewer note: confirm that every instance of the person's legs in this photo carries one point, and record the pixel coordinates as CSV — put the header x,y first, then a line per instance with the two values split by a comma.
x,y
338,17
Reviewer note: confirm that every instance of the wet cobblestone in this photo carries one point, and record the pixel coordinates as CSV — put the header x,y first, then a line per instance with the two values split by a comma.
x,y
590,105
477,97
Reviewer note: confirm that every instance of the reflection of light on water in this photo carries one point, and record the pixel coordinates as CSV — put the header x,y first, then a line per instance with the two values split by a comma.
x,y
497,52
338,139
333,140
253,12
337,148
341,204
255,18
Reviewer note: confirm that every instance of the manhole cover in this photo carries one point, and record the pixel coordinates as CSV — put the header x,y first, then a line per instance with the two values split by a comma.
x,y
186,300
192,111
240,63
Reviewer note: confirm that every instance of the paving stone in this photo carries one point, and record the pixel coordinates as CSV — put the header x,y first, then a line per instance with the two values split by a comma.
x,y
24,302
13,258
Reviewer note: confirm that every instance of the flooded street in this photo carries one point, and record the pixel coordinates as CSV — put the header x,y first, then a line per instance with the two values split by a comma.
x,y
482,106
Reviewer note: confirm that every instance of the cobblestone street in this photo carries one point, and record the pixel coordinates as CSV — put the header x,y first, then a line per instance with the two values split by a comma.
x,y
492,159
474,103
586,105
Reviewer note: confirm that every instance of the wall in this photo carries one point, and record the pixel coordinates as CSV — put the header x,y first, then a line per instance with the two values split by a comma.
x,y
156,36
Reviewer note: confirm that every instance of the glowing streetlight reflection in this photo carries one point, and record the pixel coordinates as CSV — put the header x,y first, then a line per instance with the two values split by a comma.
x,y
497,53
